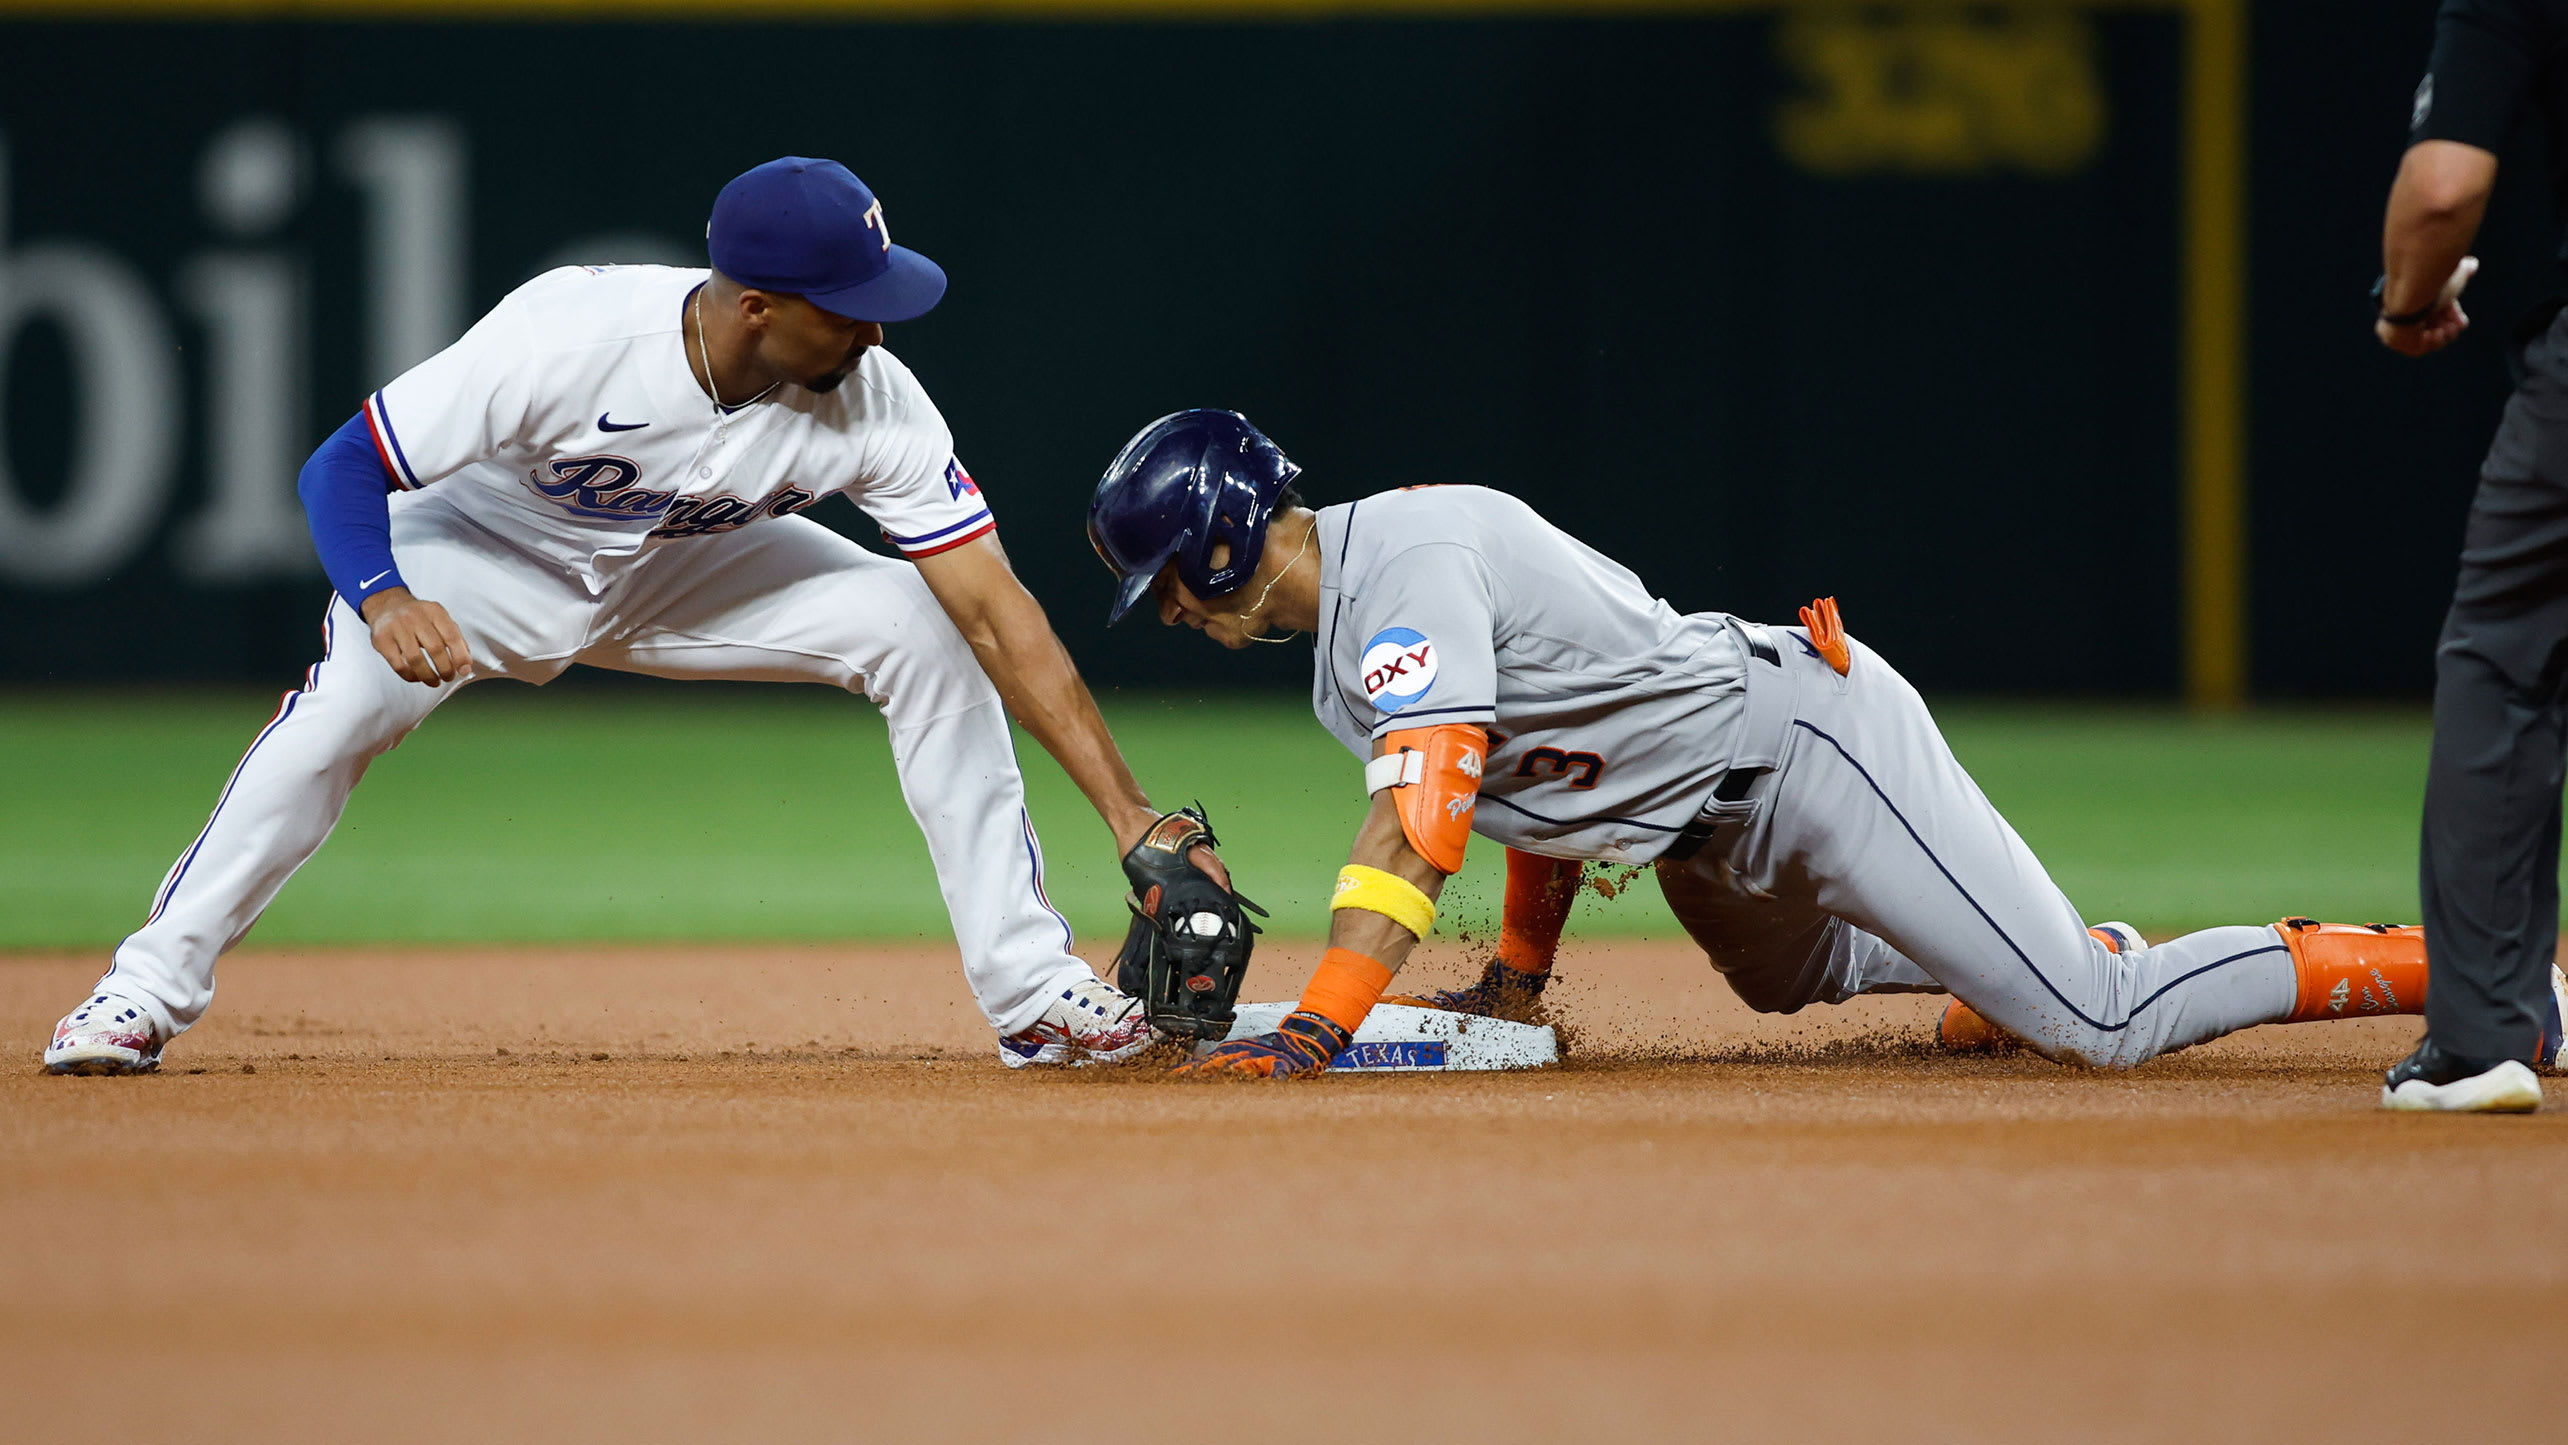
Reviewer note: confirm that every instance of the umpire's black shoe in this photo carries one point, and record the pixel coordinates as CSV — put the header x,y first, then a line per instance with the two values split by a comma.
x,y
2433,1080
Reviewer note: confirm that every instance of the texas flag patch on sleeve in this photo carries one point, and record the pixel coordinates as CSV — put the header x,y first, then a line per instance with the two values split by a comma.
x,y
960,488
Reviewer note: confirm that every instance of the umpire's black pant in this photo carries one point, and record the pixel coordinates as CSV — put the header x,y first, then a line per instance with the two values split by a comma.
x,y
2489,867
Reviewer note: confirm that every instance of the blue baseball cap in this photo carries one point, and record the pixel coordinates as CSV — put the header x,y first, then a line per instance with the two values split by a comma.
x,y
811,228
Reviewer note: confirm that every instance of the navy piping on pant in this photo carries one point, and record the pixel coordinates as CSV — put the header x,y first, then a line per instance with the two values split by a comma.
x,y
2010,943
1034,860
285,709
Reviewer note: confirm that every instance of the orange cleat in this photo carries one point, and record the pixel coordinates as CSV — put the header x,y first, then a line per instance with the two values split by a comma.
x,y
1962,1031
1300,1048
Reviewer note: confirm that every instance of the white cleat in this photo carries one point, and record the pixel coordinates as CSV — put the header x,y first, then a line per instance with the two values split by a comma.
x,y
2508,1088
1091,1022
2432,1080
104,1036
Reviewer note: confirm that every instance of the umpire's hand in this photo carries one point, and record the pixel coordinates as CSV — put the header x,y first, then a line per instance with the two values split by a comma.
x,y
2442,326
417,637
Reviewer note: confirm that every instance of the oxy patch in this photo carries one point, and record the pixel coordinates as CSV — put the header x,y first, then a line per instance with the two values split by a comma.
x,y
1398,667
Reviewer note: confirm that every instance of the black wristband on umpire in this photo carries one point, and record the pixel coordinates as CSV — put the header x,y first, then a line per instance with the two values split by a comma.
x,y
2381,288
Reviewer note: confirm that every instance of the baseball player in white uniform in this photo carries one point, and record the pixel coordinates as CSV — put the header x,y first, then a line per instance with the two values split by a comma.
x,y
606,469
1806,820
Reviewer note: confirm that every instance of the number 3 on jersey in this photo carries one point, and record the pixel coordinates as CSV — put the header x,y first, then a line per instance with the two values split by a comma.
x,y
1581,768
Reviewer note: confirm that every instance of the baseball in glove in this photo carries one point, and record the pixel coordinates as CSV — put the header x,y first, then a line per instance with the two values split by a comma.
x,y
1189,942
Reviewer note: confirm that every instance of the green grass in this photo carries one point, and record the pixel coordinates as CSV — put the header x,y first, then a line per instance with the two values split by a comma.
x,y
678,813
2175,822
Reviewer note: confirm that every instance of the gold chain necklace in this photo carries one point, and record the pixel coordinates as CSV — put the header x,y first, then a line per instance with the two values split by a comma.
x,y
721,415
1269,589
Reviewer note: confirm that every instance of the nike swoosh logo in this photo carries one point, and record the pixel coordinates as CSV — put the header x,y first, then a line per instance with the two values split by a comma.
x,y
379,576
604,425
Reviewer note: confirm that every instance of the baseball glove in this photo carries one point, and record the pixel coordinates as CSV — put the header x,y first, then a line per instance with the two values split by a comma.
x,y
1189,943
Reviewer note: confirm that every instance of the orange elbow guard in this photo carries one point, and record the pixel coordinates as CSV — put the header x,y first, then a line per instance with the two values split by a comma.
x,y
1434,777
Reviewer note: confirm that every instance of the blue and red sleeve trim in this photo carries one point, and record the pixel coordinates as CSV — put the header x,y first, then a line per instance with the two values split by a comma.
x,y
387,445
945,539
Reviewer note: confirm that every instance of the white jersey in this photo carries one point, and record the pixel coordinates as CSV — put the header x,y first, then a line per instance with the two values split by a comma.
x,y
549,462
572,415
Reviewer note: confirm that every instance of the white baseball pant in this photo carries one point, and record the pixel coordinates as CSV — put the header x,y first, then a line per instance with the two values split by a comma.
x,y
785,600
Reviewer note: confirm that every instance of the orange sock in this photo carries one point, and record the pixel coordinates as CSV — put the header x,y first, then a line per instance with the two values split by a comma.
x,y
1540,891
2354,970
1345,987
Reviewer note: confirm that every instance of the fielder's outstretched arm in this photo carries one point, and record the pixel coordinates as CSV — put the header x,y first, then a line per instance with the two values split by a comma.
x,y
1037,682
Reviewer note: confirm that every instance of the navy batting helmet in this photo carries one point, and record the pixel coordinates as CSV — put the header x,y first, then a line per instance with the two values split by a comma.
x,y
1186,482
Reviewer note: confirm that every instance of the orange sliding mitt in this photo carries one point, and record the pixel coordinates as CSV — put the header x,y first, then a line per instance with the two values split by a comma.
x,y
1828,633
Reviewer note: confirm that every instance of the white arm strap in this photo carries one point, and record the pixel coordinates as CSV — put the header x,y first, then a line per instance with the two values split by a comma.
x,y
1394,770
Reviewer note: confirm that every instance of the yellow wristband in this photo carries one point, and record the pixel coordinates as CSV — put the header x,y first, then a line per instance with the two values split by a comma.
x,y
1388,894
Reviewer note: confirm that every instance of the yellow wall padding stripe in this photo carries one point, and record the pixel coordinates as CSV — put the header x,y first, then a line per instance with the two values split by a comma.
x,y
1087,10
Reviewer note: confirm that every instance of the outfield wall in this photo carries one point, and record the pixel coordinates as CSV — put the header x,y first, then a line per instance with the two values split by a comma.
x,y
1884,303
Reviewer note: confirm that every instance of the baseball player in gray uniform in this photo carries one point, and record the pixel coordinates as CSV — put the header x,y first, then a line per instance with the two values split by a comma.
x,y
1806,820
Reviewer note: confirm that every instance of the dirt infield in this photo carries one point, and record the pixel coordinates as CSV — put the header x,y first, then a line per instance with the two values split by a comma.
x,y
718,1194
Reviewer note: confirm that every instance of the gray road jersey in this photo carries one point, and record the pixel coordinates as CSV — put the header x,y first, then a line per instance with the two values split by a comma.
x,y
1609,713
